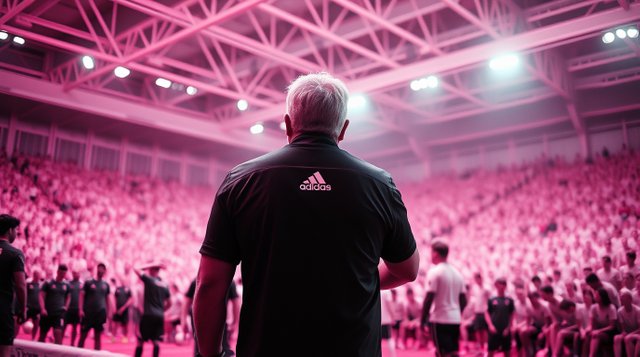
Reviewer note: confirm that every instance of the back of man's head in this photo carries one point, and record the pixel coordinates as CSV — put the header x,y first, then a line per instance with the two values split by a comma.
x,y
440,248
317,103
7,222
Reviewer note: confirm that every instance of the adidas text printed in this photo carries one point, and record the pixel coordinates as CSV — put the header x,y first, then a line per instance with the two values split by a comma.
x,y
315,182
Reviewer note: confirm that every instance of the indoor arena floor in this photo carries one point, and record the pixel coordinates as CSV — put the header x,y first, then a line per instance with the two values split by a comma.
x,y
173,350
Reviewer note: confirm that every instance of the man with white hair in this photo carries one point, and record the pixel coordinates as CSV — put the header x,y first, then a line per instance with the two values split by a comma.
x,y
312,218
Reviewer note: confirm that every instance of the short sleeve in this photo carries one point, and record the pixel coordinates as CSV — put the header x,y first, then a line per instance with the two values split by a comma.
x,y
220,241
400,244
432,281
18,266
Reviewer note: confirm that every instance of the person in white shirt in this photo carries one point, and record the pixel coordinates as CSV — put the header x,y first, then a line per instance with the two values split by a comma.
x,y
444,302
608,273
604,318
387,320
595,283
538,320
479,296
629,320
631,266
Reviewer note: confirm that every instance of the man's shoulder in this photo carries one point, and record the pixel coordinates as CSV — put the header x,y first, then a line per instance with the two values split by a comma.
x,y
289,156
10,250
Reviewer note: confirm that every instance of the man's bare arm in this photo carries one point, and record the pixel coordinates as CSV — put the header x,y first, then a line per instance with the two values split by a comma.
x,y
209,303
393,275
21,293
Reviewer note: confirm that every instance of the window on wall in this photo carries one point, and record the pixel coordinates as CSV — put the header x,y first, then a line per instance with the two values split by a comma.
x,y
197,175
69,151
31,144
169,170
103,158
138,164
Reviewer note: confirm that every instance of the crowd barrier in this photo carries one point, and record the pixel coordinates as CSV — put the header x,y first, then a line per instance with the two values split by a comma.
x,y
22,348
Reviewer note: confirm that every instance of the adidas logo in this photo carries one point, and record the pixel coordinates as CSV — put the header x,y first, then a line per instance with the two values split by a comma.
x,y
315,182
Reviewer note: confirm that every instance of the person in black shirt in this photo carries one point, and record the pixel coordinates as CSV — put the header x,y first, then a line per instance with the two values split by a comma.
x,y
72,317
156,302
12,282
311,215
120,317
33,302
94,306
54,300
499,317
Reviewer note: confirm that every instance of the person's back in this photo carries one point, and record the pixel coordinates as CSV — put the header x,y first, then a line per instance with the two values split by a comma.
x,y
322,238
448,284
310,222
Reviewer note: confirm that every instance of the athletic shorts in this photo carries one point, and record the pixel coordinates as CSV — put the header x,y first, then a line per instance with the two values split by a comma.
x,y
446,337
72,317
151,327
396,325
7,329
122,318
499,342
94,320
52,321
479,323
33,313
385,332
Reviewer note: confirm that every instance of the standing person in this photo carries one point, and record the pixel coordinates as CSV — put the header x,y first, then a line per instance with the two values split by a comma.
x,y
123,299
12,282
312,214
478,299
33,303
499,317
72,317
94,307
387,319
54,303
156,302
444,303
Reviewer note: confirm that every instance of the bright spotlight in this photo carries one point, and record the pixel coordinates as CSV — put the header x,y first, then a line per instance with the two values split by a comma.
x,y
87,62
632,32
431,82
3,35
283,126
243,105
162,82
18,40
256,128
415,85
608,37
357,101
504,62
621,33
192,90
122,72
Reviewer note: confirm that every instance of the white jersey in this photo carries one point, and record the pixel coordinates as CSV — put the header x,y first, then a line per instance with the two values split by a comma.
x,y
629,320
479,298
447,284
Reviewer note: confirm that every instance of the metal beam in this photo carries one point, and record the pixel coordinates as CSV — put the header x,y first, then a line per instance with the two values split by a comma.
x,y
126,111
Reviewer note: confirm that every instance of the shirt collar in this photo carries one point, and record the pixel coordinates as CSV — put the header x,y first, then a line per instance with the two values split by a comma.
x,y
313,138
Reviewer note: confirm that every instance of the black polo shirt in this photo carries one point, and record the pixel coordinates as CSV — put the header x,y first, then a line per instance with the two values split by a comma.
x,y
155,294
56,293
11,262
309,222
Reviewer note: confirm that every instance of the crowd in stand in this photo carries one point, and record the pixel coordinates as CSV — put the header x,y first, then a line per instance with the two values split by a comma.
x,y
563,236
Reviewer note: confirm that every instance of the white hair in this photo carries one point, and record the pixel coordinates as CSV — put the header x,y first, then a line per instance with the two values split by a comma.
x,y
317,103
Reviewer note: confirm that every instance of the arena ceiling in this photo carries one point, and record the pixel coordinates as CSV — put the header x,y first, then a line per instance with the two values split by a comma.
x,y
215,53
